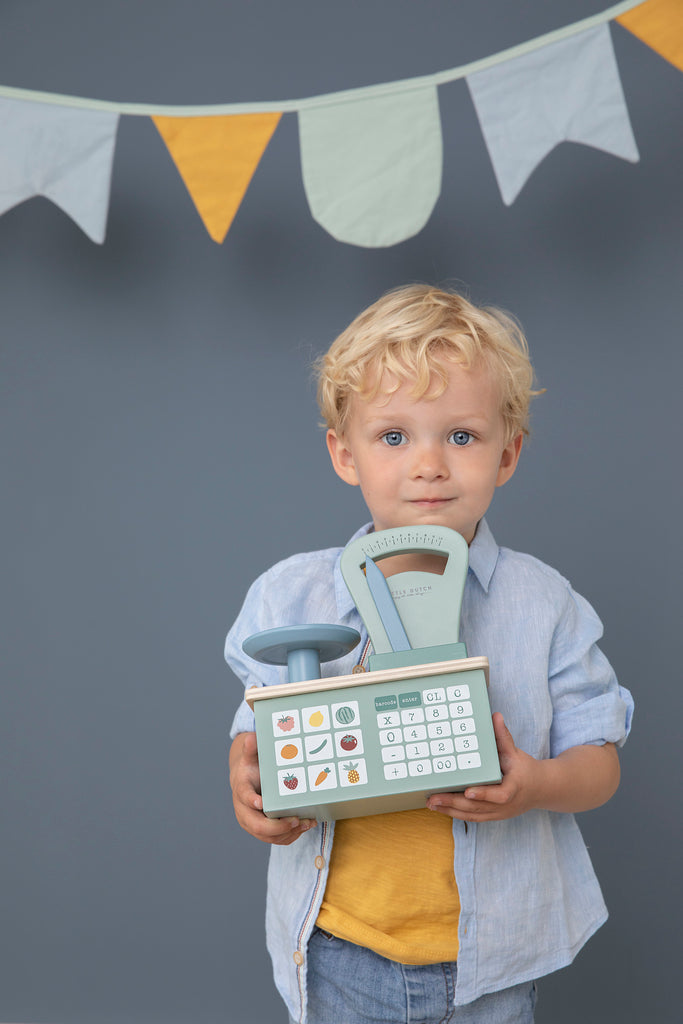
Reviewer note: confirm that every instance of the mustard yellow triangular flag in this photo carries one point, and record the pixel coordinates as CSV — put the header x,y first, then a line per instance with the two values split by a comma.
x,y
216,157
659,23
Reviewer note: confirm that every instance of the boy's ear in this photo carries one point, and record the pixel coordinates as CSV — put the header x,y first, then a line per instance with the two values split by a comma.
x,y
342,459
509,460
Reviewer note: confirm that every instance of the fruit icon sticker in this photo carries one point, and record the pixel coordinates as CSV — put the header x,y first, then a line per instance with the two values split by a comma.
x,y
285,722
291,781
350,742
345,714
353,772
316,719
322,777
288,751
319,748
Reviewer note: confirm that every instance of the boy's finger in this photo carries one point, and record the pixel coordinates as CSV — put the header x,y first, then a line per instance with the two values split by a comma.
x,y
250,749
504,740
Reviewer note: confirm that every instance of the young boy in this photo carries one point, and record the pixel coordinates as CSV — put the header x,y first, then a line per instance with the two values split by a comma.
x,y
450,912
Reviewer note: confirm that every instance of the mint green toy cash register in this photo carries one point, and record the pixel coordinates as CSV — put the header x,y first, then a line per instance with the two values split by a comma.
x,y
417,722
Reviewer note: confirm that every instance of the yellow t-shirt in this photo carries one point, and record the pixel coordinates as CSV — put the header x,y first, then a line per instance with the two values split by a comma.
x,y
391,886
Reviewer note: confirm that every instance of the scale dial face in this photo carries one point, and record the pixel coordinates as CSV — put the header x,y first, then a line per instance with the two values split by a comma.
x,y
407,540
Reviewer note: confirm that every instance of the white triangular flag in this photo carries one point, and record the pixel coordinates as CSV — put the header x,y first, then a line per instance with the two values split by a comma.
x,y
372,167
567,91
62,153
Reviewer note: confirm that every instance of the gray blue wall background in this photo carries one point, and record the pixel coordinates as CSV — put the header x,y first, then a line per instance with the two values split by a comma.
x,y
159,447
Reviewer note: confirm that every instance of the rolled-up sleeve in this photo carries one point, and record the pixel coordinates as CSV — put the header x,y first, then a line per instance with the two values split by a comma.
x,y
589,705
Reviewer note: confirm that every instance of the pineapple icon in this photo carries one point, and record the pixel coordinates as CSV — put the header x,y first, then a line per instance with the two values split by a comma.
x,y
352,773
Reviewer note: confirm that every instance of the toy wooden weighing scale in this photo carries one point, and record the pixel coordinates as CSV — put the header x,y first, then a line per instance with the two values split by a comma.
x,y
417,722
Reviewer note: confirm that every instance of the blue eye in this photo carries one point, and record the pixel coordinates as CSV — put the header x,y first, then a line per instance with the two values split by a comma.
x,y
393,438
461,437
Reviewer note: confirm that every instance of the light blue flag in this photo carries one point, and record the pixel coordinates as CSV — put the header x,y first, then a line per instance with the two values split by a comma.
x,y
372,167
567,91
62,153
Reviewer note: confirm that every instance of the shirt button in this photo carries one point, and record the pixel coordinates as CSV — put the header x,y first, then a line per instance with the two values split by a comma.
x,y
320,862
298,958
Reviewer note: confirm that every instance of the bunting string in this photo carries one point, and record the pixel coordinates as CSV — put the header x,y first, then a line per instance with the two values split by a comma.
x,y
371,156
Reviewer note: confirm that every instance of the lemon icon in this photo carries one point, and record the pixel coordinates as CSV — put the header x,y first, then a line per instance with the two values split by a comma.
x,y
316,719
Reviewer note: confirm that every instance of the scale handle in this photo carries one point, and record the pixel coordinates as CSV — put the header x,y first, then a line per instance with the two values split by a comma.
x,y
447,588
406,540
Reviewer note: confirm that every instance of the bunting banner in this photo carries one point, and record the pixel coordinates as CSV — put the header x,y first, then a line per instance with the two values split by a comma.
x,y
658,24
61,153
216,158
372,168
371,157
568,91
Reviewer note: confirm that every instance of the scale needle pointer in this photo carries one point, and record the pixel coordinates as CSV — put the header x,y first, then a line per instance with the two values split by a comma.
x,y
384,602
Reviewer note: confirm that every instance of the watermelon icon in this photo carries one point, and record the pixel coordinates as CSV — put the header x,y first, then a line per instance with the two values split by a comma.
x,y
345,715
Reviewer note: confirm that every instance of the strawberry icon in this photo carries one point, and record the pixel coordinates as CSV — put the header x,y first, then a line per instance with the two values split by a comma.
x,y
291,781
286,724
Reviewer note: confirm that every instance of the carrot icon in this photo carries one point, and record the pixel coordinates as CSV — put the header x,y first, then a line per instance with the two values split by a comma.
x,y
321,777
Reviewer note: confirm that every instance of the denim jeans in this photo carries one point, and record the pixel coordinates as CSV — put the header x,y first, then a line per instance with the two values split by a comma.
x,y
348,984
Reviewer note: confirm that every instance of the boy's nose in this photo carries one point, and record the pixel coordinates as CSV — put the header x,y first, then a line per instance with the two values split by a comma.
x,y
430,462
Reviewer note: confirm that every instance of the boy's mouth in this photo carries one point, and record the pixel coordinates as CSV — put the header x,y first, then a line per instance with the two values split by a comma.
x,y
430,502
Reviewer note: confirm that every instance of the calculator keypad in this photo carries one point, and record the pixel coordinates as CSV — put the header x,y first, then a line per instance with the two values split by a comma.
x,y
436,733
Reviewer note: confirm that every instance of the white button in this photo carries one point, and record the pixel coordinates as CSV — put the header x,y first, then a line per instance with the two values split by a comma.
x,y
316,718
288,752
395,771
465,743
390,736
319,748
437,714
349,744
461,710
458,693
441,747
391,754
415,732
319,862
291,781
469,761
345,714
387,719
285,722
444,764
412,716
436,696
439,729
418,768
417,750
463,725
298,958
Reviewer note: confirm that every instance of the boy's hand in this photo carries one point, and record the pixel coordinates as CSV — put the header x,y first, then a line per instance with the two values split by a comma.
x,y
245,781
577,780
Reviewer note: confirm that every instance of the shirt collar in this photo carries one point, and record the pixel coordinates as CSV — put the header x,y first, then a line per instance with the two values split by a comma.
x,y
483,555
341,591
482,562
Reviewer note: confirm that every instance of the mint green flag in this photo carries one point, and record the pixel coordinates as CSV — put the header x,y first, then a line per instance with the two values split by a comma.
x,y
372,167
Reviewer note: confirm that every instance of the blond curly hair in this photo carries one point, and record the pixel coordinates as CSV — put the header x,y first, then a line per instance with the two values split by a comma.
x,y
410,335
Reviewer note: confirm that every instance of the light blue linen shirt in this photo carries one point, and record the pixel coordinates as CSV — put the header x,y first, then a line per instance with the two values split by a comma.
x,y
529,896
